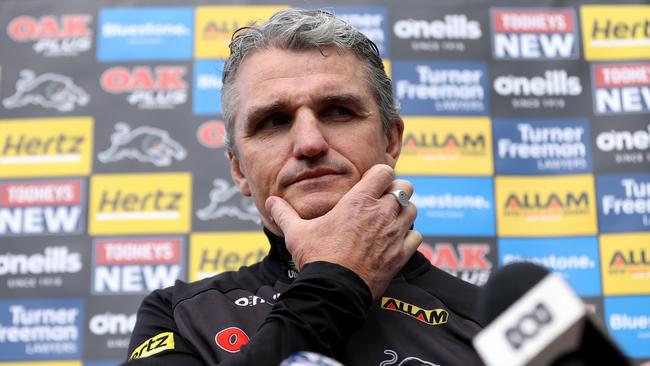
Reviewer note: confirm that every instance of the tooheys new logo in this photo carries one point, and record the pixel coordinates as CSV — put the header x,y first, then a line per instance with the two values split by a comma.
x,y
136,265
159,87
53,35
467,261
40,329
542,33
41,207
621,88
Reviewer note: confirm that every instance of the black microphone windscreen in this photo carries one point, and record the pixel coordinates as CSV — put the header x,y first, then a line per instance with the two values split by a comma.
x,y
506,286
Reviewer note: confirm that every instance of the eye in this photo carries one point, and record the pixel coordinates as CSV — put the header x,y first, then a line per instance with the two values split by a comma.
x,y
338,113
273,121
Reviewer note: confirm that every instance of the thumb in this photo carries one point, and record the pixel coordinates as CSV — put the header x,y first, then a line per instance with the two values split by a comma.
x,y
282,213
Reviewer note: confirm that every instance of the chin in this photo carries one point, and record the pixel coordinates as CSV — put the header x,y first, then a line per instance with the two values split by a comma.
x,y
313,208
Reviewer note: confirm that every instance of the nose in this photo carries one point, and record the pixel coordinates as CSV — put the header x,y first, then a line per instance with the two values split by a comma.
x,y
309,140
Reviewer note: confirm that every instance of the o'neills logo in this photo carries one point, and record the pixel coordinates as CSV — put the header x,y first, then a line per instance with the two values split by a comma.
x,y
160,87
552,83
621,88
53,36
450,27
431,317
534,34
52,260
436,146
41,207
553,204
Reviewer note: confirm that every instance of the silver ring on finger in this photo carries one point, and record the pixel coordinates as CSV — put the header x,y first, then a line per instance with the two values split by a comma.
x,y
401,196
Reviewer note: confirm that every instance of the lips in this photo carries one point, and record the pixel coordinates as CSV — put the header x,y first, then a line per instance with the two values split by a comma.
x,y
312,173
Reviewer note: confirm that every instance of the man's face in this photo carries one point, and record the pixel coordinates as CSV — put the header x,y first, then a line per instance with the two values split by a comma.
x,y
306,128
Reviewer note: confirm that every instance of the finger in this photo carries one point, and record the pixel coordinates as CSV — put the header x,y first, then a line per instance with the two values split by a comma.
x,y
406,216
375,181
401,185
412,241
281,212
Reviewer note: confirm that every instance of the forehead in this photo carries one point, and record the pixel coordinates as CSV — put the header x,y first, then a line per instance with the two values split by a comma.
x,y
272,75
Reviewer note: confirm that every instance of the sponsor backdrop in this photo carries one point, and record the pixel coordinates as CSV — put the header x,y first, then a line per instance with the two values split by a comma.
x,y
527,139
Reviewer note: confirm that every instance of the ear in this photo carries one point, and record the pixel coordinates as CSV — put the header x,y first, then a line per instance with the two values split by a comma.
x,y
394,145
237,174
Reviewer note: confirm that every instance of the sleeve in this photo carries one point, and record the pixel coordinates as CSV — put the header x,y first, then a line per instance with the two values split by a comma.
x,y
325,304
155,333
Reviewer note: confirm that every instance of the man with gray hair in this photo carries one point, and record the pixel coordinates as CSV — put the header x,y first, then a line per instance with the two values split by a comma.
x,y
313,136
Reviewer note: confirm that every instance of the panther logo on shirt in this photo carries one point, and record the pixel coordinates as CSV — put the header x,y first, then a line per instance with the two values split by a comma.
x,y
408,361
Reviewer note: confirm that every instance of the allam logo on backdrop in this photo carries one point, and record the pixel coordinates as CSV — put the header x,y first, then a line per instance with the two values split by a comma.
x,y
545,206
541,146
534,33
625,263
147,87
207,86
53,35
45,147
38,207
442,88
624,202
621,88
216,24
145,33
616,32
136,265
140,203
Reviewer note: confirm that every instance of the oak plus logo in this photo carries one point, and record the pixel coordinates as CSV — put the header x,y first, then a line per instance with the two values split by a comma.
x,y
624,202
534,33
136,265
48,90
544,146
140,203
53,35
145,144
621,88
41,207
158,87
458,88
467,261
38,329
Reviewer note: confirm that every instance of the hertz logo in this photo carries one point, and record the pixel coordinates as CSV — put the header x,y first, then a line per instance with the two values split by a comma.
x,y
431,317
154,345
616,32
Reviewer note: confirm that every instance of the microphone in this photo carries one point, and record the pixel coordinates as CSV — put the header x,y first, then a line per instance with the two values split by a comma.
x,y
303,358
535,319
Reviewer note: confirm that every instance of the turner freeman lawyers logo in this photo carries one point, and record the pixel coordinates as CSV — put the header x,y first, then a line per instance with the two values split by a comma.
x,y
145,144
431,317
624,202
52,35
533,34
621,88
159,87
48,90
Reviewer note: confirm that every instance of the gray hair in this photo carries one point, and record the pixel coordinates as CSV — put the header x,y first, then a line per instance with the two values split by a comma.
x,y
299,29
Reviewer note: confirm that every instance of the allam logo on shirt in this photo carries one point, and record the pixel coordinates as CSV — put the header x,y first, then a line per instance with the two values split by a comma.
x,y
431,317
136,265
534,33
53,35
616,32
621,88
42,207
147,87
45,147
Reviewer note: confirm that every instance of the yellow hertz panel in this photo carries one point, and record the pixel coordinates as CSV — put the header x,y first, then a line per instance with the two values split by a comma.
x,y
214,26
388,67
545,206
446,146
140,203
43,363
212,253
624,263
615,32
46,147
